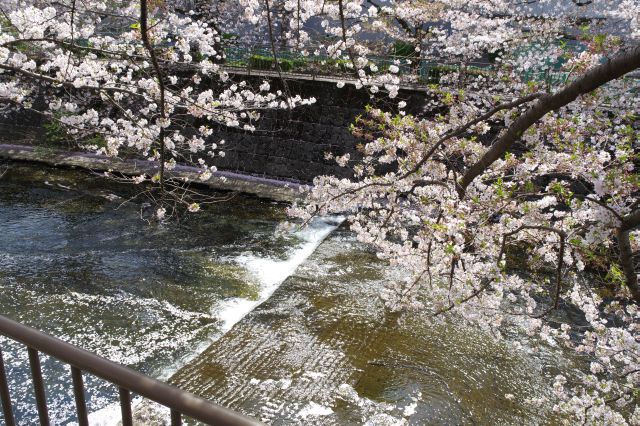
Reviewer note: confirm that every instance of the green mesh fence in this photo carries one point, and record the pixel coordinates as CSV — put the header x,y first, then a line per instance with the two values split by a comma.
x,y
411,68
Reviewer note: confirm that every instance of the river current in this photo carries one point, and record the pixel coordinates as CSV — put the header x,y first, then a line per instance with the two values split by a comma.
x,y
166,299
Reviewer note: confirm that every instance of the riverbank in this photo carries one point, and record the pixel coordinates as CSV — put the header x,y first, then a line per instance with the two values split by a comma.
x,y
272,189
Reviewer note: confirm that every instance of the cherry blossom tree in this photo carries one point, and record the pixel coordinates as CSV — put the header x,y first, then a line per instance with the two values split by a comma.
x,y
514,196
511,197
136,78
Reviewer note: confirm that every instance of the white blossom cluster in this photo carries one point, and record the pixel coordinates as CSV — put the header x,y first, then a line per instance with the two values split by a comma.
x,y
462,252
524,239
90,63
453,31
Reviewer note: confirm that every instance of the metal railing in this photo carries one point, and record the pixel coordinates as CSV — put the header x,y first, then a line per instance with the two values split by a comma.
x,y
127,380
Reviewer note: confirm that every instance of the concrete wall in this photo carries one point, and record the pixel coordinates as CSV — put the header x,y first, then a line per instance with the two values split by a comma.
x,y
23,127
292,144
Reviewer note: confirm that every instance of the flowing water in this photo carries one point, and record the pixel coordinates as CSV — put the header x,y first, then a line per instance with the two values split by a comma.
x,y
78,263
276,325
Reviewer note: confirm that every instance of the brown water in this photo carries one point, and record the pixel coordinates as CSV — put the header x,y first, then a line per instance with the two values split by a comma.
x,y
322,350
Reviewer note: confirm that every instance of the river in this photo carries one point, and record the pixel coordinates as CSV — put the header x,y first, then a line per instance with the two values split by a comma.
x,y
282,326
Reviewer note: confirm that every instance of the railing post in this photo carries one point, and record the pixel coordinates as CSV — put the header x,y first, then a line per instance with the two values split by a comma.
x,y
176,418
78,392
38,386
5,396
125,407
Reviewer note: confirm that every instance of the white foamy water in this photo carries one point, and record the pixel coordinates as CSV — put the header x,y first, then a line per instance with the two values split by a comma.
x,y
270,273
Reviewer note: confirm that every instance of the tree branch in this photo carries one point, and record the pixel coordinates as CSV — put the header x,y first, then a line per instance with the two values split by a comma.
x,y
631,220
463,128
563,237
591,80
67,84
473,294
626,261
144,32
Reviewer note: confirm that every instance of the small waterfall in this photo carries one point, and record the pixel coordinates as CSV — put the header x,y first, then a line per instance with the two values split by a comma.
x,y
272,272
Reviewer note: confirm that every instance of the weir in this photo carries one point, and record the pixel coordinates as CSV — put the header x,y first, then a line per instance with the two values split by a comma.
x,y
322,350
271,273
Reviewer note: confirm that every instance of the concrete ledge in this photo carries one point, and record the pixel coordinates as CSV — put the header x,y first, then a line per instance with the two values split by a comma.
x,y
227,181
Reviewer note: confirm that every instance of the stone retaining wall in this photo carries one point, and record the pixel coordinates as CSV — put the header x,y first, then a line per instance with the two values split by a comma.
x,y
287,145
292,144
